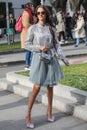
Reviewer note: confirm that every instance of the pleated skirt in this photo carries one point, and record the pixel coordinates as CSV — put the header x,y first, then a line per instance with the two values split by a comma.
x,y
45,74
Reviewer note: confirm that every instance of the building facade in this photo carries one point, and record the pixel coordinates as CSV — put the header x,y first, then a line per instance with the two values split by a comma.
x,y
15,7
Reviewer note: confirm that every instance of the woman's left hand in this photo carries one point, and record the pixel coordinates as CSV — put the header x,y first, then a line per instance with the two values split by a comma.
x,y
66,62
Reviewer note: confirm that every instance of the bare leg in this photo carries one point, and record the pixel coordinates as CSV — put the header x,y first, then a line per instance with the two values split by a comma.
x,y
50,99
32,98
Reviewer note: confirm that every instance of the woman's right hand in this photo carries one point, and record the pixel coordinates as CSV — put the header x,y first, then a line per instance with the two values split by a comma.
x,y
43,48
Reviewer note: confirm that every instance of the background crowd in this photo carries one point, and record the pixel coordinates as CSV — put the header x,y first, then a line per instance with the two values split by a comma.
x,y
66,26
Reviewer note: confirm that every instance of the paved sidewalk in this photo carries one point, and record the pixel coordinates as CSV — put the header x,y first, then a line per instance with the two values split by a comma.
x,y
4,39
75,55
12,115
18,56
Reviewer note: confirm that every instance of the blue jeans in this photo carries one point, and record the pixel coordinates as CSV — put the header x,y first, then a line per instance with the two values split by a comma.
x,y
28,58
78,41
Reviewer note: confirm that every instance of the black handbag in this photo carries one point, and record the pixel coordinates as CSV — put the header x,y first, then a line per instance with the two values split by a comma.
x,y
45,57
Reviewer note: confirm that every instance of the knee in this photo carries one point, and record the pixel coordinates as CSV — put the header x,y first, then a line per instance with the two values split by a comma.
x,y
36,88
50,88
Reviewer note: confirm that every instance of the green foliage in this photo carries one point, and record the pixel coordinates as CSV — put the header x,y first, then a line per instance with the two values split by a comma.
x,y
35,2
75,76
24,73
12,46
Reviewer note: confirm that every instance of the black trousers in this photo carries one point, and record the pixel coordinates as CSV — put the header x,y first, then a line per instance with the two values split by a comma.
x,y
61,34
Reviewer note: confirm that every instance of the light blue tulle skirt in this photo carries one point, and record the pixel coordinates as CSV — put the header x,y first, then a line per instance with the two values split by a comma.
x,y
45,74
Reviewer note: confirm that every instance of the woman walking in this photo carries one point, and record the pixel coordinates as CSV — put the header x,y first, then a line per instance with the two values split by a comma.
x,y
80,30
27,21
45,68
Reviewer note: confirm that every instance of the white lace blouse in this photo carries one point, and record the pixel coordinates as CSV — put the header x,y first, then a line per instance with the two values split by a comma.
x,y
40,35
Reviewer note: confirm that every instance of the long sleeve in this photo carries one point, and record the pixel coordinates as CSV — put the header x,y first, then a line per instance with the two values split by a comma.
x,y
80,24
78,27
30,40
60,52
25,20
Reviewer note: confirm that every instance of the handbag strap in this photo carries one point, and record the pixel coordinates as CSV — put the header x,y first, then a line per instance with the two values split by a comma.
x,y
53,35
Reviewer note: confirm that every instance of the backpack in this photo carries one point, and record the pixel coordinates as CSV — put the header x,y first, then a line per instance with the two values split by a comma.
x,y
18,25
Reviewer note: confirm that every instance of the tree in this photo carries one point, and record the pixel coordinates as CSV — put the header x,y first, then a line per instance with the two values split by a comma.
x,y
58,4
84,3
35,2
75,4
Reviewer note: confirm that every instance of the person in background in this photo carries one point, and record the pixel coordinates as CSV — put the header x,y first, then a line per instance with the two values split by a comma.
x,y
60,26
12,22
80,31
45,69
68,26
27,21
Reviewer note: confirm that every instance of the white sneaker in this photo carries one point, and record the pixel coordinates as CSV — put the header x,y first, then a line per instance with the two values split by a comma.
x,y
61,42
27,68
66,41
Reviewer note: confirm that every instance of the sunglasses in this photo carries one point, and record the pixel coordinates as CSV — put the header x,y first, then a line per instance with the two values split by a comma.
x,y
42,13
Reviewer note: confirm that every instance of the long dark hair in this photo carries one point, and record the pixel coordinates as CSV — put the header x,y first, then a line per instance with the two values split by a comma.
x,y
48,21
48,15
